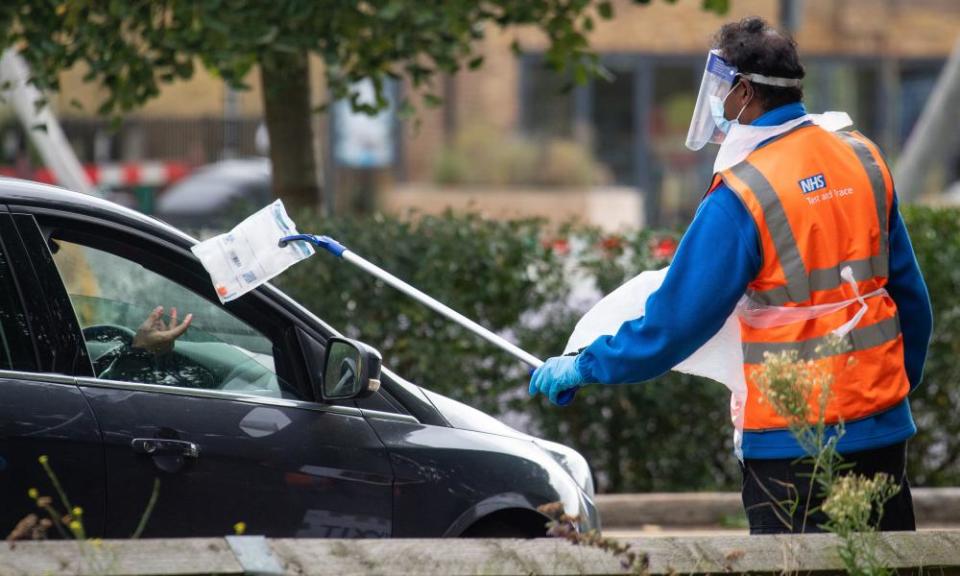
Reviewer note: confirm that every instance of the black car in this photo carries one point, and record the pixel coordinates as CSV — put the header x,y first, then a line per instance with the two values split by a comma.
x,y
234,421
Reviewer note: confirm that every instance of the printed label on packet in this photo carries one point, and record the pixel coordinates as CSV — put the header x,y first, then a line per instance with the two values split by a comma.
x,y
249,255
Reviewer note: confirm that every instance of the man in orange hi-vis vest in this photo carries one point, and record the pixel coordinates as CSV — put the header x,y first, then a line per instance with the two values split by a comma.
x,y
801,224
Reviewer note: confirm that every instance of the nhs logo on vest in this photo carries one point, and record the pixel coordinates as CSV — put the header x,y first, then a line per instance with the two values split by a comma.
x,y
813,183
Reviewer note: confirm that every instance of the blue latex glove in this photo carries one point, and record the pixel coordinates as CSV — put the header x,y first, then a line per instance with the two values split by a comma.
x,y
558,379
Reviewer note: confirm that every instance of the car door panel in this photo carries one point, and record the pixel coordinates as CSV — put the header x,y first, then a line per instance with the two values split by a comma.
x,y
283,471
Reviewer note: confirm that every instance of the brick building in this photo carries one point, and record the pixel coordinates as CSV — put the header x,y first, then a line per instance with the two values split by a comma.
x,y
876,59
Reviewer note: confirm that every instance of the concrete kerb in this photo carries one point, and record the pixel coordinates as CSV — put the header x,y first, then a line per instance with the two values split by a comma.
x,y
933,507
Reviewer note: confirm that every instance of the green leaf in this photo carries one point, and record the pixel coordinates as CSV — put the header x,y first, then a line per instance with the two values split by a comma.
x,y
717,6
475,63
391,10
406,110
605,9
580,74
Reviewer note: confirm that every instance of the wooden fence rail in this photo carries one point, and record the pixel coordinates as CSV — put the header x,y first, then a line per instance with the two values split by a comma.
x,y
934,552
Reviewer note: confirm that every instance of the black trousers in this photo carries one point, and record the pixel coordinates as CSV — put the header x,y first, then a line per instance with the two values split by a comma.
x,y
768,484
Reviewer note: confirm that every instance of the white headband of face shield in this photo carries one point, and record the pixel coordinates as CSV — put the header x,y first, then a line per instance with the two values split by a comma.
x,y
719,78
773,80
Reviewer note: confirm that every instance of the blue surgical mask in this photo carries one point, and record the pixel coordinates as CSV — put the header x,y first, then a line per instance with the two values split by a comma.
x,y
716,110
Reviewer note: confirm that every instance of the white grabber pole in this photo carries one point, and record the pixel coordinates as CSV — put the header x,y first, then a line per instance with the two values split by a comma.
x,y
340,251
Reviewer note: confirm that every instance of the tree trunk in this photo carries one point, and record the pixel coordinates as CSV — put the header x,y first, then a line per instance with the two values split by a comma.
x,y
285,79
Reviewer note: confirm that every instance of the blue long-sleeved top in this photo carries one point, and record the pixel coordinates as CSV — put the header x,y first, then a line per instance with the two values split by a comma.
x,y
715,260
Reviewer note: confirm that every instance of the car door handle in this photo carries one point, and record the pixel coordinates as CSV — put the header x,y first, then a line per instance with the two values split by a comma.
x,y
163,446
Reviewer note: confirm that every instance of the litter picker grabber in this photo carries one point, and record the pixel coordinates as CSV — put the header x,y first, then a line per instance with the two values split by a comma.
x,y
340,251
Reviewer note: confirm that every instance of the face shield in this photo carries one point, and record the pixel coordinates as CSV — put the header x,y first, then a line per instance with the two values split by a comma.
x,y
719,78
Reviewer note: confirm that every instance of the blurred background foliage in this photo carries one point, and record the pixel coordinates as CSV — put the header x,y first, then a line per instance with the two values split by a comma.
x,y
531,282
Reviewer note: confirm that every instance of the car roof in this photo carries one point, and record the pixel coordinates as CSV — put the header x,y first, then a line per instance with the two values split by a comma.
x,y
25,192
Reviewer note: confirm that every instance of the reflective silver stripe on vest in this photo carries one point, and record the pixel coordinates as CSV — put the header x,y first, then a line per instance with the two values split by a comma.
x,y
797,288
825,279
875,174
863,269
859,339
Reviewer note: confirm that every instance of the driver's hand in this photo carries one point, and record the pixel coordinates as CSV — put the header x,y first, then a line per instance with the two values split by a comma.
x,y
157,336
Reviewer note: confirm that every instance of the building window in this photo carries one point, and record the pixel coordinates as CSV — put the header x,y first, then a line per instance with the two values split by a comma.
x,y
917,80
547,101
679,176
851,86
612,114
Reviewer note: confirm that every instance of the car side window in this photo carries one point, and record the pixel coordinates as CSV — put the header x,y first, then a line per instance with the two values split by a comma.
x,y
16,351
140,326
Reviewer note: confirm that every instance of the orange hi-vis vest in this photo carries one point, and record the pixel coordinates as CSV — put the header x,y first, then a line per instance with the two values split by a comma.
x,y
821,202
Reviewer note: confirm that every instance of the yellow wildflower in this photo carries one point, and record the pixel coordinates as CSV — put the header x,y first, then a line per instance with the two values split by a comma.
x,y
33,493
239,528
791,385
853,498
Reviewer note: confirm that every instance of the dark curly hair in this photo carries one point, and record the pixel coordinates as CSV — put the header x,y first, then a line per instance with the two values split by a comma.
x,y
754,47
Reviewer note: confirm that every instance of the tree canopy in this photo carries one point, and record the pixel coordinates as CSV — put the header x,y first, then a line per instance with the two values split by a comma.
x,y
132,47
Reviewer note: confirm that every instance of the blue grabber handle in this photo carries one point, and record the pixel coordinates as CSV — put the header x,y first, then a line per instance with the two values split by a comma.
x,y
564,397
325,242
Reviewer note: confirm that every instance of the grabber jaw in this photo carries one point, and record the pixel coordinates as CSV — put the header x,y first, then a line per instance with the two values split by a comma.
x,y
325,242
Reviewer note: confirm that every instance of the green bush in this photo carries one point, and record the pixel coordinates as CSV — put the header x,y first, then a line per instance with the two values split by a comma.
x,y
515,277
934,455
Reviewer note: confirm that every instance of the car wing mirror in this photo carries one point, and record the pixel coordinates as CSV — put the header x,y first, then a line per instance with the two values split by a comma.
x,y
351,369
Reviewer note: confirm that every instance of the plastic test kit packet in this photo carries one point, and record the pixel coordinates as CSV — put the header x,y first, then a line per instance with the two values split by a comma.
x,y
249,255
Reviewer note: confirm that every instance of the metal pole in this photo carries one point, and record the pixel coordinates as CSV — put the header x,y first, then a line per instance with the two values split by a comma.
x,y
934,128
337,249
40,124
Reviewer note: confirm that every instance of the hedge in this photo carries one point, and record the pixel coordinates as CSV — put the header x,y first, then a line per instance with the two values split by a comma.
x,y
531,282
